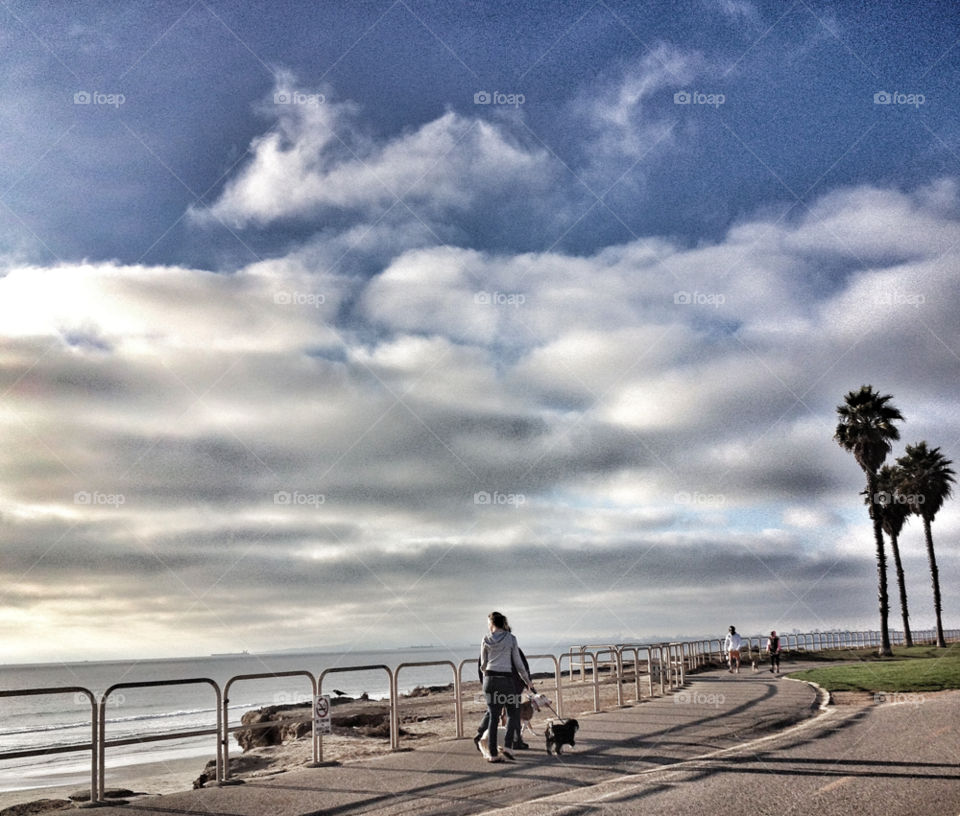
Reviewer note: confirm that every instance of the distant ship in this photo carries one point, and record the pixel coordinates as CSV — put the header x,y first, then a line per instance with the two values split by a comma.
x,y
231,654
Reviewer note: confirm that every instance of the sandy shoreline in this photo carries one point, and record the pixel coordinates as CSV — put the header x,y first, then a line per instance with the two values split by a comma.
x,y
424,720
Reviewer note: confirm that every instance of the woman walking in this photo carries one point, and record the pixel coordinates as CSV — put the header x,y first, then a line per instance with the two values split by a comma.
x,y
499,660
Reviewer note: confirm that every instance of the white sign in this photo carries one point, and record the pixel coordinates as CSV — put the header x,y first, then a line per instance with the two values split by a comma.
x,y
321,714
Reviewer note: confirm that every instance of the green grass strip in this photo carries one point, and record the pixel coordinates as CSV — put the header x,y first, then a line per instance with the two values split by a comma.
x,y
921,668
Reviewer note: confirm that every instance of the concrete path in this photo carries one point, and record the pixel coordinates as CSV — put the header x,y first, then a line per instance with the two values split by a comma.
x,y
716,711
900,759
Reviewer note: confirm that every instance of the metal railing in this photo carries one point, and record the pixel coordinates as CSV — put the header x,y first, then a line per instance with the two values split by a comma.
x,y
104,743
665,665
64,749
394,720
228,729
395,697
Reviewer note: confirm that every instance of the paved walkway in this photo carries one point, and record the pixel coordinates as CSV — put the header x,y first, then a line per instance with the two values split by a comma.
x,y
715,711
899,759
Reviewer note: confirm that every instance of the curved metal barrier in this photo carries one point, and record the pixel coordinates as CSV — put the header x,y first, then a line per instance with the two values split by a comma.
x,y
64,749
394,731
667,665
104,743
228,730
458,702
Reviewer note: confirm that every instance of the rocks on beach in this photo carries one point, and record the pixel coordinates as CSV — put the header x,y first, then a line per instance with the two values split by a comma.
x,y
270,749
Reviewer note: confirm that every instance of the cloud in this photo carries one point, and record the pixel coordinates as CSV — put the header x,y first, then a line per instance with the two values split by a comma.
x,y
656,442
318,159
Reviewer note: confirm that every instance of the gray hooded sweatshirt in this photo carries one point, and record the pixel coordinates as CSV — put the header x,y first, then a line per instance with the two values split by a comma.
x,y
499,652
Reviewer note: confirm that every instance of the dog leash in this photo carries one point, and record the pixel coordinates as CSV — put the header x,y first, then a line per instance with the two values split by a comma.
x,y
546,705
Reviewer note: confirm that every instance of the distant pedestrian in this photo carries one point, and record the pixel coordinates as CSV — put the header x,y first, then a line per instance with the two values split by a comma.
x,y
773,649
732,647
499,658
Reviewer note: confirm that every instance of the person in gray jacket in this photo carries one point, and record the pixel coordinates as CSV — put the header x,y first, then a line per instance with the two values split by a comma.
x,y
499,658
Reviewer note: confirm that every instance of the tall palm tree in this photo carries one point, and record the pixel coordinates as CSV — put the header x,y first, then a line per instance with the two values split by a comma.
x,y
927,478
866,429
893,509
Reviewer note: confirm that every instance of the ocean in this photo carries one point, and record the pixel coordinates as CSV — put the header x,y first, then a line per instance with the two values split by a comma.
x,y
45,721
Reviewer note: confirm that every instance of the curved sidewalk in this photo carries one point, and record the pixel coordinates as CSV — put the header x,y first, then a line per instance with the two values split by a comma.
x,y
715,711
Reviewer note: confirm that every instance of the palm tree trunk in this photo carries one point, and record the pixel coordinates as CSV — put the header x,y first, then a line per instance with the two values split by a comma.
x,y
935,580
907,636
882,597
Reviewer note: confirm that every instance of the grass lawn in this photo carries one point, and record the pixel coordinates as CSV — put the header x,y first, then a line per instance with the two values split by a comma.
x,y
920,668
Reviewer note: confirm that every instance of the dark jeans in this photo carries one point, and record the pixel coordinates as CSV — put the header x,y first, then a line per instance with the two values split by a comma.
x,y
500,694
775,660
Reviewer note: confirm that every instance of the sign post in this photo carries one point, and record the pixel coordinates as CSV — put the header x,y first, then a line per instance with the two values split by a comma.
x,y
322,724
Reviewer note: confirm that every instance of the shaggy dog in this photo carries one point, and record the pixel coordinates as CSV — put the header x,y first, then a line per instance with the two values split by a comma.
x,y
527,709
560,734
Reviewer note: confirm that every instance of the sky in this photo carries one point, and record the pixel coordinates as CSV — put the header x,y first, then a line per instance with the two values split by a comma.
x,y
345,324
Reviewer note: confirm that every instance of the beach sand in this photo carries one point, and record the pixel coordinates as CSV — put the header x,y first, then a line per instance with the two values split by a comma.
x,y
425,719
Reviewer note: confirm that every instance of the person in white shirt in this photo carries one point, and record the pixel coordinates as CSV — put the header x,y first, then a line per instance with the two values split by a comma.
x,y
732,647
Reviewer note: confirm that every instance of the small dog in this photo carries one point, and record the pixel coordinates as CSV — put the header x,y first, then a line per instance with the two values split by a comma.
x,y
560,734
755,669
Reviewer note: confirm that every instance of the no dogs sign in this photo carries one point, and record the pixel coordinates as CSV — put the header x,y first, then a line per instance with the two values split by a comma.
x,y
321,714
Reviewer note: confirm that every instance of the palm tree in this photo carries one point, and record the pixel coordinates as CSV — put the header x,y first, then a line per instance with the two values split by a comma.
x,y
866,429
926,480
894,511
